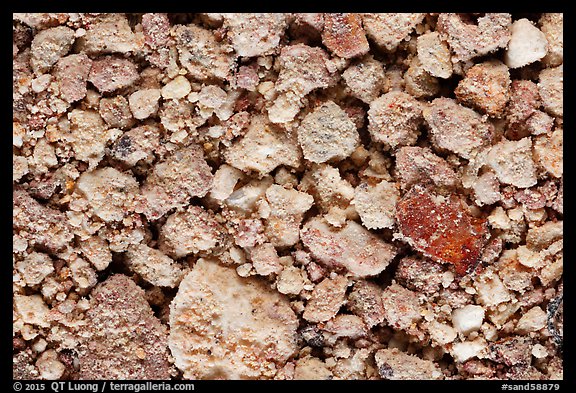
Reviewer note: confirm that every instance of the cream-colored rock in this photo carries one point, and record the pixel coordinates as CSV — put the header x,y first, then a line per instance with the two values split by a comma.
x,y
527,44
35,267
376,204
539,351
552,25
265,259
287,208
32,310
263,148
327,134
177,88
366,79
290,281
532,321
96,250
183,174
311,368
82,274
434,55
552,272
109,193
549,152
49,366
513,163
144,103
499,219
396,365
19,167
44,156
466,350
254,34
192,231
490,289
401,307
110,34
468,319
329,189
49,45
540,237
551,88
441,333
200,53
225,179
327,298
244,198
154,266
88,135
387,30
229,331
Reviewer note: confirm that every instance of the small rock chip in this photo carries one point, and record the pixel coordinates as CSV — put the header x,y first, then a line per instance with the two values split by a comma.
x,y
200,53
327,298
109,193
192,231
351,247
485,87
434,55
72,73
394,119
50,45
254,34
551,88
111,73
395,365
173,181
376,204
119,325
468,40
513,163
327,134
144,103
419,165
401,307
456,128
389,29
527,44
42,225
366,79
264,147
153,266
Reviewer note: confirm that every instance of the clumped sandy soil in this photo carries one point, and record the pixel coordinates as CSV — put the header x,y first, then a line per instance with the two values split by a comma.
x,y
287,196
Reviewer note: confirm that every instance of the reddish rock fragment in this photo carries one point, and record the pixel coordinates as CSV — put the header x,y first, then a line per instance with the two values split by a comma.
x,y
441,228
156,29
111,73
122,339
43,226
344,36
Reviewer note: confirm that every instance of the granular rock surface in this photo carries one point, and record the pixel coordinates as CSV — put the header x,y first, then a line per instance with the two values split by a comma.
x,y
343,196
